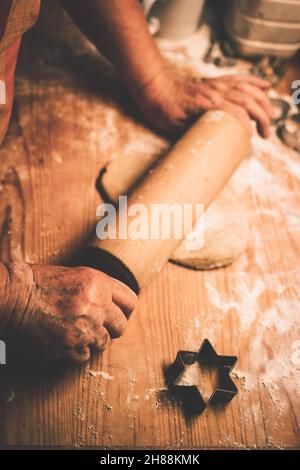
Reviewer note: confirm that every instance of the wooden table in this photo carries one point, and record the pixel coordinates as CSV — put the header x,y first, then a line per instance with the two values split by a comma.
x,y
71,115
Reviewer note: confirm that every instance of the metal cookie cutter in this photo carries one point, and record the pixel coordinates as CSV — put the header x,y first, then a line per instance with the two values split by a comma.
x,y
289,132
281,108
190,394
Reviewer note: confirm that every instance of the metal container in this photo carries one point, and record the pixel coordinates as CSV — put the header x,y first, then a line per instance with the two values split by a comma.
x,y
258,33
290,132
249,48
176,19
257,29
273,10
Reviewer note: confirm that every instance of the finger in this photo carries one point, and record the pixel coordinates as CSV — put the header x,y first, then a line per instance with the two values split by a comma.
x,y
101,339
220,84
259,96
79,354
123,296
115,321
208,93
255,111
203,98
195,108
78,339
252,79
95,338
199,104
239,113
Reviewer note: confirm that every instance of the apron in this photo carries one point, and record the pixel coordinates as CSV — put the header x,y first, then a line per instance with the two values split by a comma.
x,y
16,17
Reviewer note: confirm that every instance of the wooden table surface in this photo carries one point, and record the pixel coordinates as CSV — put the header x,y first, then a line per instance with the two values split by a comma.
x,y
71,115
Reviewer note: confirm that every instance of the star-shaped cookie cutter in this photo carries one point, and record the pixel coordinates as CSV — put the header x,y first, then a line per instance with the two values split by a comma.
x,y
190,395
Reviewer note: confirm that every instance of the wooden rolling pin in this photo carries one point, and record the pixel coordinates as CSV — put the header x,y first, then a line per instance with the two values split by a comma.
x,y
193,172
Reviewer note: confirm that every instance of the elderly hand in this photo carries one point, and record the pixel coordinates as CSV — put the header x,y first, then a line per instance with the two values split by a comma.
x,y
66,313
172,100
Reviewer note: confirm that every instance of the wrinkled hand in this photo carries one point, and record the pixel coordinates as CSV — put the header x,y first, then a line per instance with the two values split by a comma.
x,y
173,100
71,312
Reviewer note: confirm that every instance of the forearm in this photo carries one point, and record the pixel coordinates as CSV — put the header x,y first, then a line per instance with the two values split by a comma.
x,y
16,280
120,31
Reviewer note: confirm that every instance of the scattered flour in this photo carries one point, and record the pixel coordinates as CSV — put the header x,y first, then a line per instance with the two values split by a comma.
x,y
214,116
100,373
271,366
11,396
245,299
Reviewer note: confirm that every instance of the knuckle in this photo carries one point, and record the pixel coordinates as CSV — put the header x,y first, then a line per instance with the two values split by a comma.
x,y
214,97
119,327
76,331
95,289
82,324
246,101
89,275
81,353
242,113
84,271
116,323
103,340
70,337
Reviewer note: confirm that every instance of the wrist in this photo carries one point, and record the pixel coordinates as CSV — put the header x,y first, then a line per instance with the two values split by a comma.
x,y
152,89
16,286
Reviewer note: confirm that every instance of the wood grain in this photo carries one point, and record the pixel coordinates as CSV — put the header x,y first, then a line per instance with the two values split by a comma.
x,y
72,115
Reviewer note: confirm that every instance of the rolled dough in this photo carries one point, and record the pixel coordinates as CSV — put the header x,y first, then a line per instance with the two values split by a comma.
x,y
225,221
225,234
